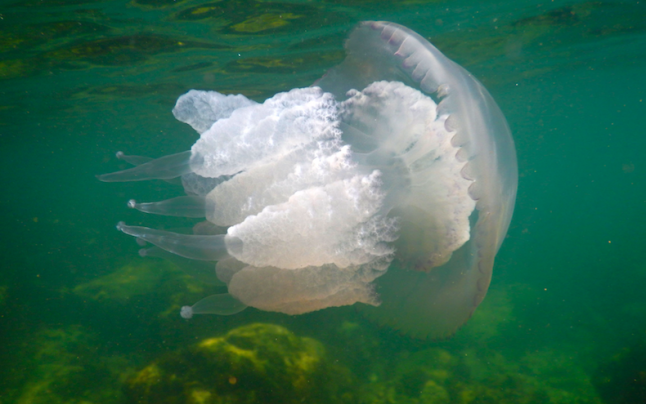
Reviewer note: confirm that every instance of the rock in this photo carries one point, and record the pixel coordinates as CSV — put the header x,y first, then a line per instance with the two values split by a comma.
x,y
149,287
257,363
64,366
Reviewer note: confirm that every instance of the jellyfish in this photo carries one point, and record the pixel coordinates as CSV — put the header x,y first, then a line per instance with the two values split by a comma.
x,y
389,183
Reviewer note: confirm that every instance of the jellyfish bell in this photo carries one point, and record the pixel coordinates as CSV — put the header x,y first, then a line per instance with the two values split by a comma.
x,y
390,182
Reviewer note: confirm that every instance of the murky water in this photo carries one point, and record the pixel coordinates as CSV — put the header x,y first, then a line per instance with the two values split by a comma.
x,y
85,319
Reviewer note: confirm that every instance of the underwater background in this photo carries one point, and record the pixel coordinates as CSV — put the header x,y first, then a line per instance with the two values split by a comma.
x,y
84,319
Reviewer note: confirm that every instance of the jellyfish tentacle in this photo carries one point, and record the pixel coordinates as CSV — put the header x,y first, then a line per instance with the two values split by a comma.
x,y
134,160
139,160
200,270
203,248
222,304
163,168
183,206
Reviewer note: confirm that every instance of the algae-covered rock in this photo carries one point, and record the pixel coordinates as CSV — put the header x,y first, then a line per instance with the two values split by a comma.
x,y
64,365
158,284
437,376
424,377
559,375
257,363
135,278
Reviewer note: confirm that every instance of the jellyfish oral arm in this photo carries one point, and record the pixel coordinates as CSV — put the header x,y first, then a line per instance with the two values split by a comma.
x,y
221,304
166,167
184,206
204,248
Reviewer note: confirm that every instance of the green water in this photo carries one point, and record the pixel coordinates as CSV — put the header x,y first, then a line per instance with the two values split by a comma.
x,y
82,314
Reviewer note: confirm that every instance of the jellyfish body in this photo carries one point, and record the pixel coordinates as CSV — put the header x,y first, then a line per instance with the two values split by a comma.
x,y
390,182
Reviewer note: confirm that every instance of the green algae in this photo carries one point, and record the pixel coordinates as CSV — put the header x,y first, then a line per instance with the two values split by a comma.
x,y
116,91
256,363
65,366
50,3
293,63
374,4
193,67
247,17
125,50
435,375
266,363
42,52
35,37
123,284
154,280
24,45
264,22
157,3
